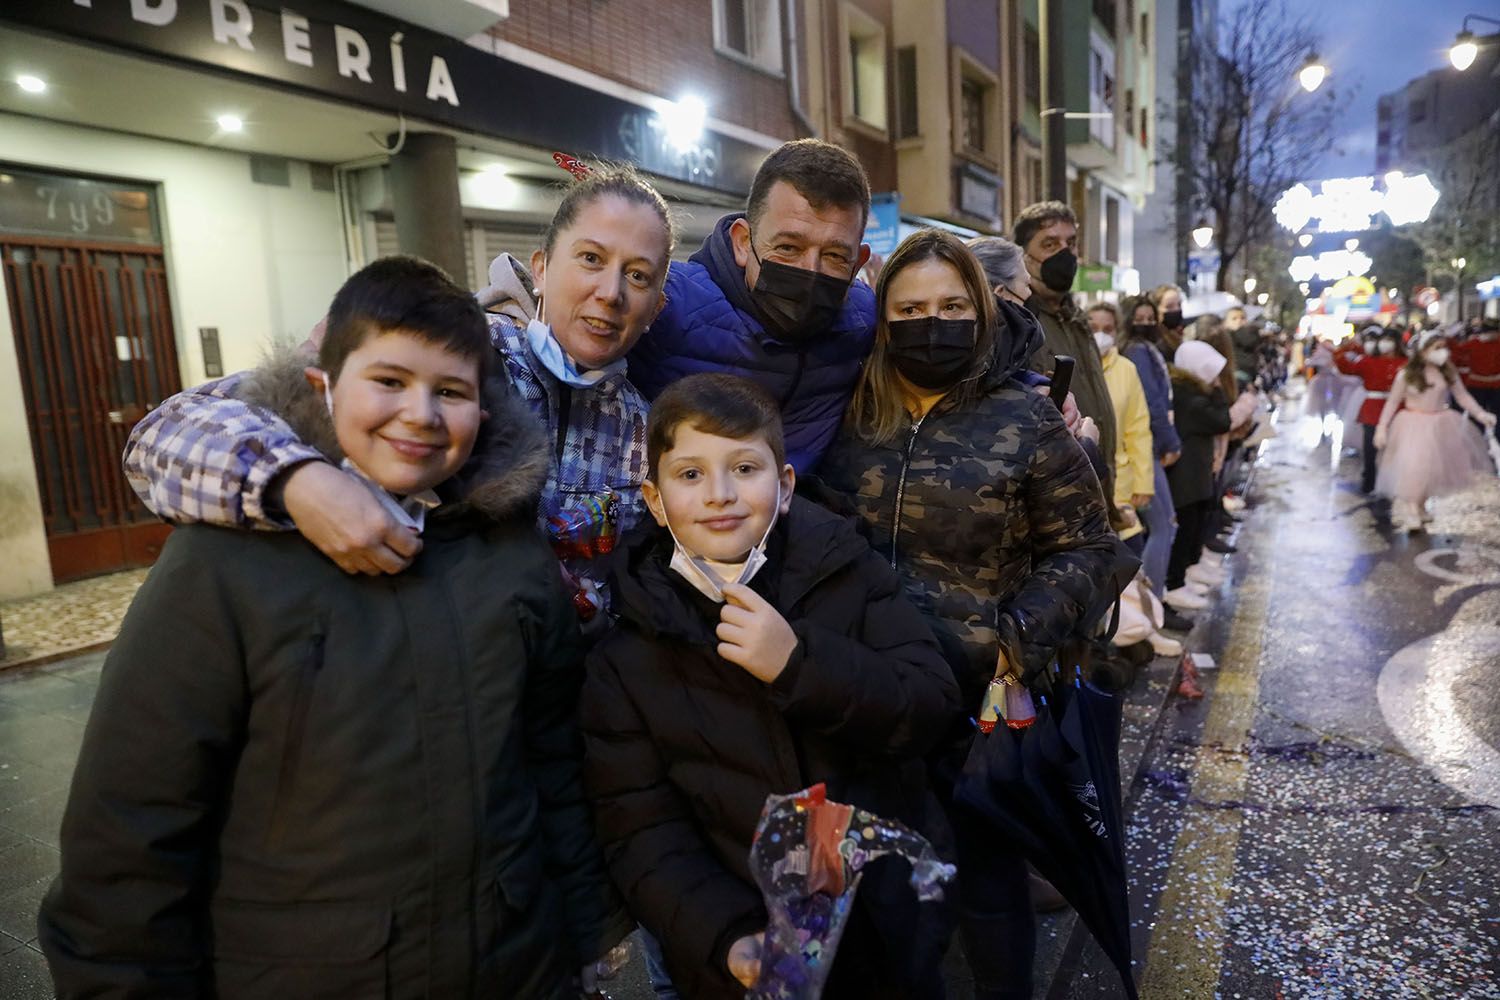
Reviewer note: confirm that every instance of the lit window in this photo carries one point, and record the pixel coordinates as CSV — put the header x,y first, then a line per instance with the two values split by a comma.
x,y
749,30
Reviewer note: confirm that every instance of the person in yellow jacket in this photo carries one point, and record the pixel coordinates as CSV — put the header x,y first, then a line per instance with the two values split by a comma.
x,y
1134,461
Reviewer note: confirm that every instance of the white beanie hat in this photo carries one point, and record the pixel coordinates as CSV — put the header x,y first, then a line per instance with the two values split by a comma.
x,y
1199,359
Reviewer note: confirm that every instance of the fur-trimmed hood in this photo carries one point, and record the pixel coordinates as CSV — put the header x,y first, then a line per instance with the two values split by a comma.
x,y
504,476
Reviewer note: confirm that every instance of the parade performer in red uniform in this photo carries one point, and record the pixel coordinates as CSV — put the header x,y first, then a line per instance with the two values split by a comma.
x,y
1378,371
1478,361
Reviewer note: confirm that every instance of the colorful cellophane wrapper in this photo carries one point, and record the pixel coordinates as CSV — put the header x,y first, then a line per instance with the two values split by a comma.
x,y
807,857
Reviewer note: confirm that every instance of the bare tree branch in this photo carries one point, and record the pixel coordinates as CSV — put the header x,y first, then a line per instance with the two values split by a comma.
x,y
1253,132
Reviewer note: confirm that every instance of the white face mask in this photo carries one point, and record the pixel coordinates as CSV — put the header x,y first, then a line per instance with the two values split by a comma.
x,y
1104,341
550,353
1385,347
409,511
1438,356
709,577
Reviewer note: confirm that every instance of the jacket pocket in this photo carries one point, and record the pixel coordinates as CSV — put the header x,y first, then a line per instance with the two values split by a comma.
x,y
286,779
304,950
520,879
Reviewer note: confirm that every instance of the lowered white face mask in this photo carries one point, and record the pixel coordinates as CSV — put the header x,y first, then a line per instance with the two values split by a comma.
x,y
1438,356
410,511
709,577
1104,341
1386,347
553,358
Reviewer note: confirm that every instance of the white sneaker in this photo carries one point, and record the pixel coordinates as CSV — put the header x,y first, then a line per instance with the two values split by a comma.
x,y
1184,599
1207,575
1194,587
1164,645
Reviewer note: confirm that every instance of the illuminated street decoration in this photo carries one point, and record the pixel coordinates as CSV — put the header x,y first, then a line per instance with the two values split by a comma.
x,y
1330,266
1350,204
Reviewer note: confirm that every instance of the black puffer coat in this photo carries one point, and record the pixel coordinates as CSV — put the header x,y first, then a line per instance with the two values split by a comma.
x,y
682,747
301,784
993,516
1199,412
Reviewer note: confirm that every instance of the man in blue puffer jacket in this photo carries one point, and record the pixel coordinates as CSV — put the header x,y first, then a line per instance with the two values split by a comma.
x,y
772,296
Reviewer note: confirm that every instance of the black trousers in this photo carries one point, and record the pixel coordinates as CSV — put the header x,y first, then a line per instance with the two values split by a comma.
x,y
1367,456
995,920
1187,546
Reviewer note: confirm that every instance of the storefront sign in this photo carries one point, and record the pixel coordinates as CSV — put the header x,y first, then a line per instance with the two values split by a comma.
x,y
38,204
979,193
338,50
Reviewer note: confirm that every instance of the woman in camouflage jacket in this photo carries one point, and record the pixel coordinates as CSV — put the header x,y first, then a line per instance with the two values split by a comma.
x,y
973,488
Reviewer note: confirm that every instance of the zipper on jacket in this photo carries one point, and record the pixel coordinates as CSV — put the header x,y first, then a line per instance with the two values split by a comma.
x,y
796,379
295,731
911,442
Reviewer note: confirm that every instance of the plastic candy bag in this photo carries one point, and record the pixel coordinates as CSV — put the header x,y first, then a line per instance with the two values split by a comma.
x,y
807,857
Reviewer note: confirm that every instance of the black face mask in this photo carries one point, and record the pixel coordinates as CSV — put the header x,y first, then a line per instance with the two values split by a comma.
x,y
1059,270
797,304
932,353
1172,319
1145,331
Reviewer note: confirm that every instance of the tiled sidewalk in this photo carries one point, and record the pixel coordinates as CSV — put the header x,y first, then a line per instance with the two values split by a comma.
x,y
42,714
71,619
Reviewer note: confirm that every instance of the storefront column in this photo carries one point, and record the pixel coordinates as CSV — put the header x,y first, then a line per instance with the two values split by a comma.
x,y
424,192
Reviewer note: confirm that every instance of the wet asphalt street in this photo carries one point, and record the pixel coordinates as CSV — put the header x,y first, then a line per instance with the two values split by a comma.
x,y
1324,823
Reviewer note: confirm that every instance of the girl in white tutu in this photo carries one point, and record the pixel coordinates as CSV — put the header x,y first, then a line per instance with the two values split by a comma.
x,y
1427,448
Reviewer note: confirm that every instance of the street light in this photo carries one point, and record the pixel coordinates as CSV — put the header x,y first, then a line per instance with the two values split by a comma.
x,y
1351,244
1458,284
1263,298
1203,234
1466,47
1464,51
1249,285
1312,74
1305,239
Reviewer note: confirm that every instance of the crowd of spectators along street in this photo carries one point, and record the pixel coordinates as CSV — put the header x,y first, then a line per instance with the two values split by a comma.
x,y
492,619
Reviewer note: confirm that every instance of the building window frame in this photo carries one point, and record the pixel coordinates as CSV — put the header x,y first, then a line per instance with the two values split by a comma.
x,y
969,73
864,64
1031,58
907,123
1103,91
756,26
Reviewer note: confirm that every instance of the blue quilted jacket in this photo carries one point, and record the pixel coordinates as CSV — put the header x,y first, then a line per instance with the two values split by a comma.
x,y
710,324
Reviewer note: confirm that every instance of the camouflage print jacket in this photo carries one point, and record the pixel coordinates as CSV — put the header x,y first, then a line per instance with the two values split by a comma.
x,y
995,519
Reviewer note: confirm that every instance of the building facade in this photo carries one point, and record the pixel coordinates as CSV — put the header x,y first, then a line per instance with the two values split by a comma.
x,y
183,182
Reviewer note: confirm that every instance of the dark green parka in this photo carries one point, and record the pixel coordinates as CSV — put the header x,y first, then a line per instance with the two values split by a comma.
x,y
297,783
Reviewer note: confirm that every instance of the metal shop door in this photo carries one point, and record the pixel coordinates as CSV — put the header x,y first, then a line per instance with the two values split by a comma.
x,y
96,350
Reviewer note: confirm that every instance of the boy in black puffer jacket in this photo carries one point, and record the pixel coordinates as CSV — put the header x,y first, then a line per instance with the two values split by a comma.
x,y
710,695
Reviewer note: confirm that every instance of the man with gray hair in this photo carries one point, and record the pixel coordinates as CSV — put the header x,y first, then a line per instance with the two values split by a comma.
x,y
1047,234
